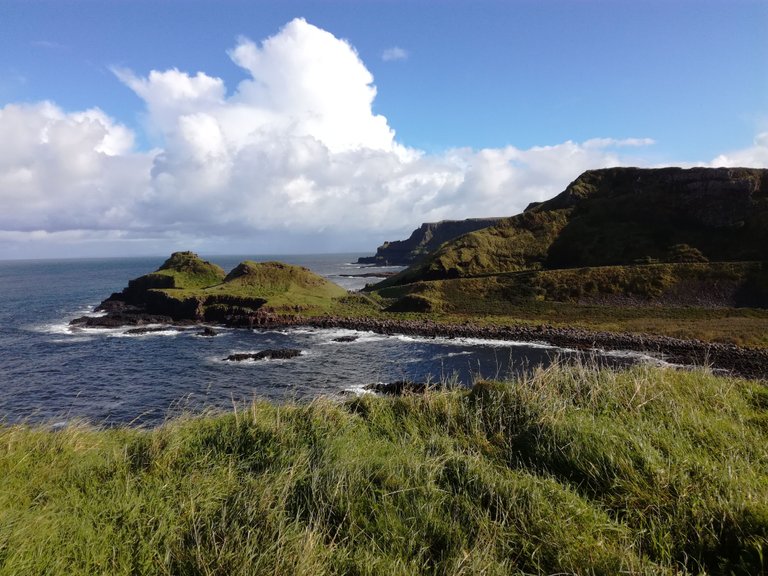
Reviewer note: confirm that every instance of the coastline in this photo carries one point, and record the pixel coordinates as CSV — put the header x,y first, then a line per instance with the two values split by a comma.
x,y
736,360
739,361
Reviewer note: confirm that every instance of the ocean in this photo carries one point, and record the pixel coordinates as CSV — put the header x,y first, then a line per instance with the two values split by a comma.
x,y
54,375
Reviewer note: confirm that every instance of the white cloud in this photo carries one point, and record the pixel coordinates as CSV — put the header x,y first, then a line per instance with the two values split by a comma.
x,y
756,156
293,159
394,53
62,171
307,83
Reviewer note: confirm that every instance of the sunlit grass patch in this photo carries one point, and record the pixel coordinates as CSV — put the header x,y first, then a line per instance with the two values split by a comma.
x,y
570,469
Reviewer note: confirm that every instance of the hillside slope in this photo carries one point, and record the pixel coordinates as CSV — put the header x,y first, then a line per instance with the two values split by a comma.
x,y
623,218
619,216
563,471
425,239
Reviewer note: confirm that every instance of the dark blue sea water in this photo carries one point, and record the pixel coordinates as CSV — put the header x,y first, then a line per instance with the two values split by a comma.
x,y
49,373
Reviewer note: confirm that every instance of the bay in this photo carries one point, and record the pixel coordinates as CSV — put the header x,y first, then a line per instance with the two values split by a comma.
x,y
50,373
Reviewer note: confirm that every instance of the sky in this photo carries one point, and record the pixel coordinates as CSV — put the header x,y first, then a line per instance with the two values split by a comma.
x,y
282,127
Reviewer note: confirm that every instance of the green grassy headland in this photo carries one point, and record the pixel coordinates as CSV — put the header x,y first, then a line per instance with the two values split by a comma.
x,y
619,217
187,287
424,240
668,251
570,470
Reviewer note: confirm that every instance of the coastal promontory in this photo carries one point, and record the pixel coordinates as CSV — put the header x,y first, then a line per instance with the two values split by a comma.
x,y
672,261
186,288
617,236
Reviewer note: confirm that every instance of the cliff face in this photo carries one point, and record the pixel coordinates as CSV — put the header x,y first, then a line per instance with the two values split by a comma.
x,y
624,215
619,216
425,239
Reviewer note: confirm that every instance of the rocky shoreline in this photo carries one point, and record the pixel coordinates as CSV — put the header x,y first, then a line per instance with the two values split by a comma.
x,y
736,360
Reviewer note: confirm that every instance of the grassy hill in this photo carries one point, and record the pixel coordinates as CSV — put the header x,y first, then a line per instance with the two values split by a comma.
x,y
183,270
693,284
619,234
187,287
280,287
188,270
518,243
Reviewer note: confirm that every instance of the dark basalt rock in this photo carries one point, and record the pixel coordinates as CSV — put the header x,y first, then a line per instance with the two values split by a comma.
x,y
114,304
345,339
207,331
152,329
738,361
119,319
269,354
399,387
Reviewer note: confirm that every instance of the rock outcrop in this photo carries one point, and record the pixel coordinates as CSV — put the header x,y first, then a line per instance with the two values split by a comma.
x,y
269,354
425,239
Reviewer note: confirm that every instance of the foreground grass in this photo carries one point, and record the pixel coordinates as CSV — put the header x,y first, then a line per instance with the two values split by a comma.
x,y
570,470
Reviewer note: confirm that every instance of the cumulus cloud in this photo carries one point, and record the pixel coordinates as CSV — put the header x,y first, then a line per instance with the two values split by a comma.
x,y
64,171
394,53
755,156
294,151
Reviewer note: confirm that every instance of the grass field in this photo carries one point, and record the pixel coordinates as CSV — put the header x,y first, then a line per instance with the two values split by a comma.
x,y
571,470
741,326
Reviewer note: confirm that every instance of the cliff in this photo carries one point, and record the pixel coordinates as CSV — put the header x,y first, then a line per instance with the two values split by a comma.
x,y
620,218
624,215
425,239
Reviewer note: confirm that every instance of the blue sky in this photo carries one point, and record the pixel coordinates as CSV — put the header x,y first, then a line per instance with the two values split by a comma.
x,y
491,105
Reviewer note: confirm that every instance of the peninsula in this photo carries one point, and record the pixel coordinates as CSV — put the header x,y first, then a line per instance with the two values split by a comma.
x,y
188,289
670,261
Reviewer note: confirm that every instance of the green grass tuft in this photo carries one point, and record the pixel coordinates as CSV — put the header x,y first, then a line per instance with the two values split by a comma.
x,y
570,470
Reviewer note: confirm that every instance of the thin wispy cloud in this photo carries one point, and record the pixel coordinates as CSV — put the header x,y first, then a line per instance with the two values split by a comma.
x,y
394,53
48,45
